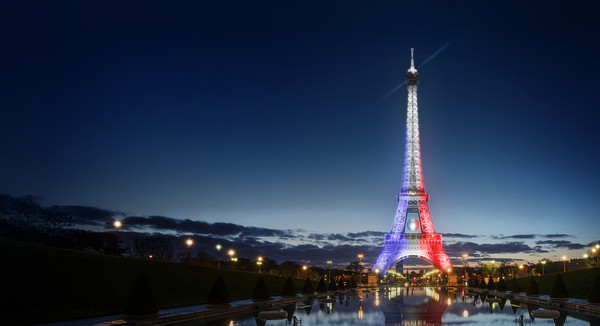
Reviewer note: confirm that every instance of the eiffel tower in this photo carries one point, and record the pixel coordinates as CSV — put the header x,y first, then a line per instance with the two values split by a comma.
x,y
412,233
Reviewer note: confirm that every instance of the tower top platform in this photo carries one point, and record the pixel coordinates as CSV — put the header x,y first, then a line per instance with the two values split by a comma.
x,y
412,75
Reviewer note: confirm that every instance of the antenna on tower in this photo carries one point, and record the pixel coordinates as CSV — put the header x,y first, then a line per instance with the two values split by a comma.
x,y
412,59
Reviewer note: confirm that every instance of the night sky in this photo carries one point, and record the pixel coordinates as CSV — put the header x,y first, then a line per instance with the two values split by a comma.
x,y
272,115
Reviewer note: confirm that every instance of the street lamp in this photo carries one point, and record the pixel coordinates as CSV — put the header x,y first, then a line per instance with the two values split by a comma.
x,y
595,251
231,252
329,262
360,257
564,259
543,264
117,224
259,263
218,255
466,275
189,243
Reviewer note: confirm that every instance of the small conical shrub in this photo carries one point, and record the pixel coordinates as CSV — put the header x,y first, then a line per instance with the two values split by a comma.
x,y
514,286
340,284
218,294
474,282
260,290
501,286
532,287
288,288
595,293
332,287
482,285
308,288
322,287
141,300
491,285
559,290
353,284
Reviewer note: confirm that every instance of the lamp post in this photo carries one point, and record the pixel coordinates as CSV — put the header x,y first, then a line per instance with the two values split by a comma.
x,y
329,262
218,255
596,250
543,264
231,252
564,259
360,257
189,243
466,275
117,224
259,263
304,268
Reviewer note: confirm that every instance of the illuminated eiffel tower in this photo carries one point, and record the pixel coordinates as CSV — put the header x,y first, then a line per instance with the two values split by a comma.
x,y
412,234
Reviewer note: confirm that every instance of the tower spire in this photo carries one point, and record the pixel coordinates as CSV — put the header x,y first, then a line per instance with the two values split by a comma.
x,y
412,59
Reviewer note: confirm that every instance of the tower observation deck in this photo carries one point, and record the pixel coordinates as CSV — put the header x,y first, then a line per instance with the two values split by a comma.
x,y
412,234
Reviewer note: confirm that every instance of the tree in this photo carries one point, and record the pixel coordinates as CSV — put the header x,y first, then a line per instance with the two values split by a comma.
x,y
490,270
55,220
595,291
514,286
289,268
532,287
308,288
141,300
559,290
491,285
501,285
260,290
218,294
155,246
474,282
321,287
288,288
332,287
354,266
25,212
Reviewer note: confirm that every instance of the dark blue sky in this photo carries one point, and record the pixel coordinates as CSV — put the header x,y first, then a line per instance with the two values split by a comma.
x,y
266,113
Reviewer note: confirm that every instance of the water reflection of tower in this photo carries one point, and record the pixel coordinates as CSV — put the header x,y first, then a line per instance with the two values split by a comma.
x,y
415,307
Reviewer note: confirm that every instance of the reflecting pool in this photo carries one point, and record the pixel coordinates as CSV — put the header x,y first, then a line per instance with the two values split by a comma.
x,y
404,306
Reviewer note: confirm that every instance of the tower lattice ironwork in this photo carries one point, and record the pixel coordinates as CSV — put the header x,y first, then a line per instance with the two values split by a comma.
x,y
412,234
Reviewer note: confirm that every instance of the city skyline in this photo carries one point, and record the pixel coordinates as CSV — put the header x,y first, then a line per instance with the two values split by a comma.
x,y
280,117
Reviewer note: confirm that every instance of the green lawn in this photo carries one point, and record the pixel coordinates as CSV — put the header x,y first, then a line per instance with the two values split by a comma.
x,y
42,284
578,283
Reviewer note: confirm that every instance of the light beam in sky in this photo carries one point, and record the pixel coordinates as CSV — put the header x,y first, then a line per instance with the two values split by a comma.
x,y
435,54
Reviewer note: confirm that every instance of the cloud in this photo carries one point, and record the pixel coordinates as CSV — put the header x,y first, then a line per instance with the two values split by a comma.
x,y
561,244
86,215
458,248
458,235
558,235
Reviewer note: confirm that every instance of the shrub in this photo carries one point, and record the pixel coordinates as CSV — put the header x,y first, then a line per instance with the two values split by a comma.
x,y
514,286
141,300
482,284
322,287
353,284
559,290
332,287
474,283
288,288
260,290
308,288
595,293
532,287
501,285
491,285
218,294
340,285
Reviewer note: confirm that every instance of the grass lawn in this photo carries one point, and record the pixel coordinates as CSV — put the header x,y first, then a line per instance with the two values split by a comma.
x,y
43,284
